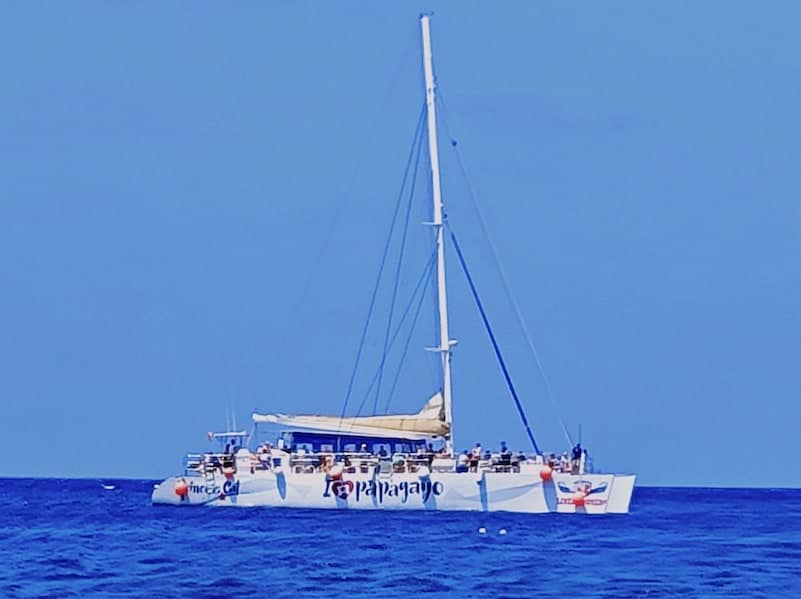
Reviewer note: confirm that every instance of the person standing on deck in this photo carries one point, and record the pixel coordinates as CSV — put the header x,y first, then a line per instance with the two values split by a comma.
x,y
575,466
475,457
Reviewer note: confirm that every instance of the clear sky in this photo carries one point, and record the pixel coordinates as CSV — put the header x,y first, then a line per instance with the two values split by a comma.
x,y
194,198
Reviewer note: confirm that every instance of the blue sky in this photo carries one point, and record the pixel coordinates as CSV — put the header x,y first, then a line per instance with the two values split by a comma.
x,y
193,201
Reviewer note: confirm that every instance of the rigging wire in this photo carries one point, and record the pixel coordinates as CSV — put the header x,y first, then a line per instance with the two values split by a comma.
x,y
505,281
398,270
497,349
346,193
417,311
420,120
423,277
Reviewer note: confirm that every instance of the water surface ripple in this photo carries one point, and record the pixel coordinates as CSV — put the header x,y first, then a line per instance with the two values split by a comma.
x,y
65,538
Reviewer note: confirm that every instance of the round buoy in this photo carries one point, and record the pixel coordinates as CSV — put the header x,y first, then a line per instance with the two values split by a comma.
x,y
335,472
546,473
181,488
502,531
482,531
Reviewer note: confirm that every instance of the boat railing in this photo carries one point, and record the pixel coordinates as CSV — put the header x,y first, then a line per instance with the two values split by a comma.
x,y
353,462
311,462
302,462
209,462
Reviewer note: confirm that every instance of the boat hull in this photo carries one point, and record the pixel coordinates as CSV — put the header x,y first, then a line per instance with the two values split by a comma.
x,y
487,491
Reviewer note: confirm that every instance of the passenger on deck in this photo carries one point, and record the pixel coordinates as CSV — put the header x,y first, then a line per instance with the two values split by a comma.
x,y
228,456
326,462
475,457
264,455
429,454
505,458
564,463
230,452
575,463
516,458
506,453
577,451
463,462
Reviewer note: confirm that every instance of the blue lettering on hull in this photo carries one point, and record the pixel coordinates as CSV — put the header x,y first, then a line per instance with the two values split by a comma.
x,y
379,490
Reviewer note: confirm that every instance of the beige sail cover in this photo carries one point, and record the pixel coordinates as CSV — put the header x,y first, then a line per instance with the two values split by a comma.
x,y
428,422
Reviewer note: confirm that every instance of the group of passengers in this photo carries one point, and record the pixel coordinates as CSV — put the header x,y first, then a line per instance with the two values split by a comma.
x,y
471,461
217,461
476,459
363,460
505,460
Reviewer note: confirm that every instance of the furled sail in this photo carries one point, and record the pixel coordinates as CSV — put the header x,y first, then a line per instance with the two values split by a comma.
x,y
428,422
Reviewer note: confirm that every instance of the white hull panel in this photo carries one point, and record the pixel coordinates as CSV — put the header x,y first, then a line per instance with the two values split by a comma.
x,y
488,491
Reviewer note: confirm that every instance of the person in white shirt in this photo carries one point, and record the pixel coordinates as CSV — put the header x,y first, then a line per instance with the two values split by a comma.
x,y
475,457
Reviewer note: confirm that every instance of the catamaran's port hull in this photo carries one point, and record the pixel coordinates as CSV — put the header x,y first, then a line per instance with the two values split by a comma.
x,y
488,491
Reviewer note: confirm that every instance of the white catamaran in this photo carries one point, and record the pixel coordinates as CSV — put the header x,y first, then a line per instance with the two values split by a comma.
x,y
395,461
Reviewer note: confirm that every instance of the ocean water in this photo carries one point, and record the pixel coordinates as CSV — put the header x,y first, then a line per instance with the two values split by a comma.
x,y
73,538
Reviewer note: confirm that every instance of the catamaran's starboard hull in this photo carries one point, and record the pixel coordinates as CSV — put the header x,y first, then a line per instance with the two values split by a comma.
x,y
489,491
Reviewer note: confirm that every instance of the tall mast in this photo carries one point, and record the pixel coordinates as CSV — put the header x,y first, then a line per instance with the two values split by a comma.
x,y
444,348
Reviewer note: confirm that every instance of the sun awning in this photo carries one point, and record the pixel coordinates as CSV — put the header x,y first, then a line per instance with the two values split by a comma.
x,y
428,422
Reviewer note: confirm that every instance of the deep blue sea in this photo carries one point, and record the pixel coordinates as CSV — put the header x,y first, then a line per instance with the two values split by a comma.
x,y
66,538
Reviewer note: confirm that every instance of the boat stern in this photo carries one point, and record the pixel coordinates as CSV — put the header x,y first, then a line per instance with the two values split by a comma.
x,y
620,495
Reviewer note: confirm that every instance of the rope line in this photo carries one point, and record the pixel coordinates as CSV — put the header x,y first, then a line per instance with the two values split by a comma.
x,y
497,349
425,275
398,271
504,280
381,267
417,311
